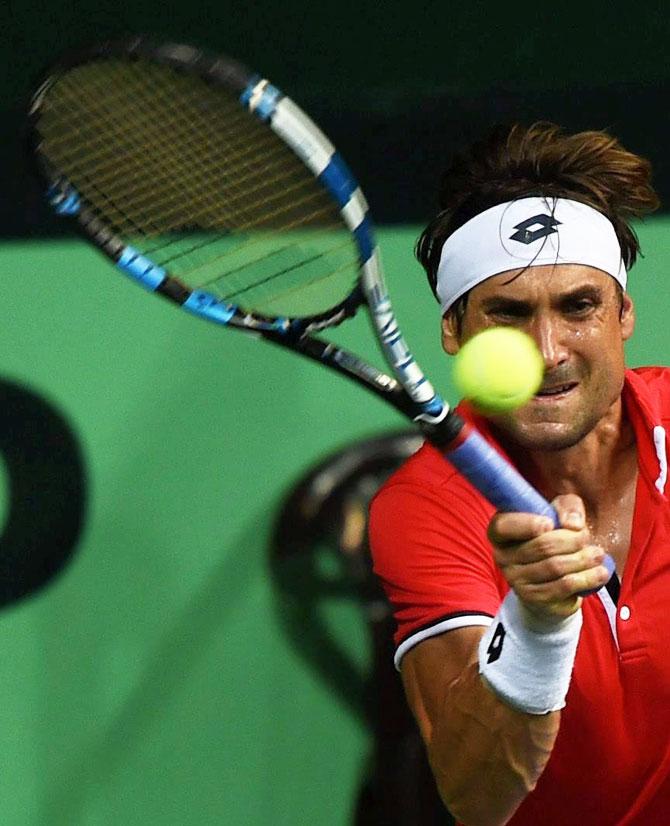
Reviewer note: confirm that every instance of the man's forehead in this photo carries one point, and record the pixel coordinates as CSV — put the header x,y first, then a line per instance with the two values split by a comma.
x,y
548,279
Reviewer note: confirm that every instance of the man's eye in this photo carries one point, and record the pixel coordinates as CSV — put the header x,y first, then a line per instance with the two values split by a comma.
x,y
581,307
508,313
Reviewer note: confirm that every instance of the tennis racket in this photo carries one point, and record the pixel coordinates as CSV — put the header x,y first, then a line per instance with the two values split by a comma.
x,y
205,185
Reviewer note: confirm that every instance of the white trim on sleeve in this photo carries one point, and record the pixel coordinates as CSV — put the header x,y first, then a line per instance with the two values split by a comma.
x,y
449,624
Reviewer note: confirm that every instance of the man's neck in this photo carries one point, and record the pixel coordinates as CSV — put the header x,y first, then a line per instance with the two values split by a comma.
x,y
596,468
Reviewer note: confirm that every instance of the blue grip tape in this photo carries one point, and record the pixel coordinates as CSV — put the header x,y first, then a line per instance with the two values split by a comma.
x,y
503,485
496,479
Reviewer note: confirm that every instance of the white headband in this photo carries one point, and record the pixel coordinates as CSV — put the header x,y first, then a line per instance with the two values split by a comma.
x,y
526,233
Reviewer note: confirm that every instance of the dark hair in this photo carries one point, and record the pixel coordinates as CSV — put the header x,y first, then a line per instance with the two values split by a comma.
x,y
541,159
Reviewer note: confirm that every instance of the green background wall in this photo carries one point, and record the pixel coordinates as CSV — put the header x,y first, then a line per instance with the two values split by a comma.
x,y
151,682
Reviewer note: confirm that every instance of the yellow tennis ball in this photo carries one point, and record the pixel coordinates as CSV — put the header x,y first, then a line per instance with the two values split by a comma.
x,y
498,369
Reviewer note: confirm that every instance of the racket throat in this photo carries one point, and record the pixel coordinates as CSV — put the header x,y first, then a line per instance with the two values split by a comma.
x,y
448,433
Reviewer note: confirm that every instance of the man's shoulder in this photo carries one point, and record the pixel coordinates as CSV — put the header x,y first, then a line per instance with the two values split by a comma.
x,y
427,482
652,375
654,383
425,468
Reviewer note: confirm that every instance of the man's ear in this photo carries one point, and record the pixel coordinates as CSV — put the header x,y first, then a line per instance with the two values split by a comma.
x,y
627,317
450,336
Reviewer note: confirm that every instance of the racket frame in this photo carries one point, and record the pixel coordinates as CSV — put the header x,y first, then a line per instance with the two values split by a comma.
x,y
409,392
303,136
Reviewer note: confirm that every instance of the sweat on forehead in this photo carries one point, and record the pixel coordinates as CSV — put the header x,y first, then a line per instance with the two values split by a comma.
x,y
526,233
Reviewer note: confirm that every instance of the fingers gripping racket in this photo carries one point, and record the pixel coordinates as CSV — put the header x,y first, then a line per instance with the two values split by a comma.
x,y
206,185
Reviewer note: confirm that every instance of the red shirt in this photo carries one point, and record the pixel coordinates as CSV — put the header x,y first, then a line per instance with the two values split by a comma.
x,y
610,765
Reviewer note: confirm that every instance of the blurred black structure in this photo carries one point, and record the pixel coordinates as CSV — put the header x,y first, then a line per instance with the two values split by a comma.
x,y
326,513
47,496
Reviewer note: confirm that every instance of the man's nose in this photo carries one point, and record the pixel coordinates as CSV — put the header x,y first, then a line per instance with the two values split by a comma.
x,y
548,335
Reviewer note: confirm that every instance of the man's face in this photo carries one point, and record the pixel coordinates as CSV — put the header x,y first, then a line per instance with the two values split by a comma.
x,y
575,316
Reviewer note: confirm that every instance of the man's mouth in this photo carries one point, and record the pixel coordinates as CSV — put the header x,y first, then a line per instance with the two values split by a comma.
x,y
555,390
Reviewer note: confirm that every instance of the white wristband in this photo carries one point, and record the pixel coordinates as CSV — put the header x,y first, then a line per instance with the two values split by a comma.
x,y
526,662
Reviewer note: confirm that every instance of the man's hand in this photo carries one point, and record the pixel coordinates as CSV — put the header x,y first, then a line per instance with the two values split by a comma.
x,y
548,567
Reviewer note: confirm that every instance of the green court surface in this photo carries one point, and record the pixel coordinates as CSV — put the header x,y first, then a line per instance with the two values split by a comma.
x,y
152,682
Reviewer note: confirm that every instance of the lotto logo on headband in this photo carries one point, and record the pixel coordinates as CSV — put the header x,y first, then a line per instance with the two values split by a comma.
x,y
524,234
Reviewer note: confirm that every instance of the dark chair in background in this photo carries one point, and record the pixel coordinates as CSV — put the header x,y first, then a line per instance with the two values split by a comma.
x,y
319,551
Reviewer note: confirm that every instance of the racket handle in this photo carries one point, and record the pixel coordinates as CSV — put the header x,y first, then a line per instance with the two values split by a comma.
x,y
501,484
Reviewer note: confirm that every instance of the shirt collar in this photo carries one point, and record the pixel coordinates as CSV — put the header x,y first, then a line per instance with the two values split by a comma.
x,y
642,406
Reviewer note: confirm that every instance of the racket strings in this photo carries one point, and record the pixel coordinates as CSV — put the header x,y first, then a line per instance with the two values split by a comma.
x,y
141,97
258,243
184,174
224,289
144,193
274,302
172,219
106,165
206,171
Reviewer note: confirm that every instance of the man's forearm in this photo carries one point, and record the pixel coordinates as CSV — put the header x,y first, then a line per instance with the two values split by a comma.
x,y
486,756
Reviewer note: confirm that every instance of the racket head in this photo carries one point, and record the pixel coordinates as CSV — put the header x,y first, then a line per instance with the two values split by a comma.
x,y
204,183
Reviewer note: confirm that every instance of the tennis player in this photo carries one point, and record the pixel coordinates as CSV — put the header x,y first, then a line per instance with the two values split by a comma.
x,y
538,706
